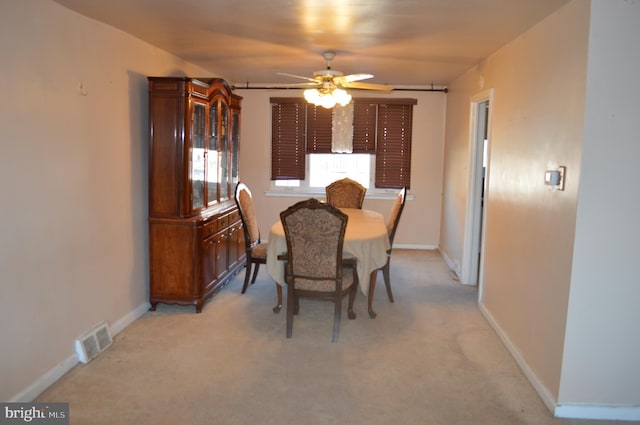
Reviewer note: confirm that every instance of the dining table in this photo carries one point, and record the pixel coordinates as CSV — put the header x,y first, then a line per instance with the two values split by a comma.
x,y
366,238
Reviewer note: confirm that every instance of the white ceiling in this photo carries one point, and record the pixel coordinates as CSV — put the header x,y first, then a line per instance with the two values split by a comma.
x,y
401,42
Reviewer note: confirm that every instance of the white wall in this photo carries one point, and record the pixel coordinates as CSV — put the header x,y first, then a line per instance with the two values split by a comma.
x,y
73,179
73,175
560,283
420,223
602,348
539,84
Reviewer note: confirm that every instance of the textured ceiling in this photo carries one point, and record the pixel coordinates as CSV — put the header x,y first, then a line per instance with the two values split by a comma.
x,y
401,42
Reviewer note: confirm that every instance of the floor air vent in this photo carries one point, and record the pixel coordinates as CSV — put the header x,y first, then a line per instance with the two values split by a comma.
x,y
93,342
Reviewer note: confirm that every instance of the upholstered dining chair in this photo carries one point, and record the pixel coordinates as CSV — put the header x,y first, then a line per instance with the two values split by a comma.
x,y
314,263
392,226
345,193
256,250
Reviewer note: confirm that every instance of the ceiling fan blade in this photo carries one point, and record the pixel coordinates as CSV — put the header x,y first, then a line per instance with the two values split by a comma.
x,y
367,86
296,76
294,85
353,77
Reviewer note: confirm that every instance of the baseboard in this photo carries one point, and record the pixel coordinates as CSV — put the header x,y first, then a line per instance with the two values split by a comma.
x,y
453,265
129,318
414,246
601,412
45,381
548,400
562,410
50,377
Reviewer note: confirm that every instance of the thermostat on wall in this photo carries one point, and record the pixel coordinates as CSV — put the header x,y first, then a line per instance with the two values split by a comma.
x,y
555,178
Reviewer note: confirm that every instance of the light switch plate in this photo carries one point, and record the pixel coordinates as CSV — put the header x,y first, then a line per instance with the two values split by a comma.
x,y
552,177
555,178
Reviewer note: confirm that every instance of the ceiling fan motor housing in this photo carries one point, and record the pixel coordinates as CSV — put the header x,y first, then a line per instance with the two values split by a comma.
x,y
327,73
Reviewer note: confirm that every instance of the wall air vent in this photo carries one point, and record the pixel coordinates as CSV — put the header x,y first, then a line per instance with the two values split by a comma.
x,y
93,342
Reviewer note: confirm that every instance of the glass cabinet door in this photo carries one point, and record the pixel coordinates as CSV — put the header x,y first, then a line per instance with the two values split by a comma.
x,y
198,155
224,151
212,154
235,146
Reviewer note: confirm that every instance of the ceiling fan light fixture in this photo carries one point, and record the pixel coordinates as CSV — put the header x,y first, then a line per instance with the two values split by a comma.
x,y
342,97
327,98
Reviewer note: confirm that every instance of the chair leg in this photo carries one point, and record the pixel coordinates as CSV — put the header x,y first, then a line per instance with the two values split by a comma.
x,y
372,290
246,276
336,317
387,279
278,306
290,307
255,273
352,297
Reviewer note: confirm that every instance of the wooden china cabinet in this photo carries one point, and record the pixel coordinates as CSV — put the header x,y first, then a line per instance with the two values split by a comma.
x,y
196,241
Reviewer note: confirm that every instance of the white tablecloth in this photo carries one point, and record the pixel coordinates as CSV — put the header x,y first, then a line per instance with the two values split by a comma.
x,y
366,238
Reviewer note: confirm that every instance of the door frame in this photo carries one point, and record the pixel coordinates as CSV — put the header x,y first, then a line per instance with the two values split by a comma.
x,y
474,234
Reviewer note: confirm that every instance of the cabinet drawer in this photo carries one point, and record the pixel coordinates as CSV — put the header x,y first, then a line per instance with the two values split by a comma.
x,y
210,228
223,221
233,217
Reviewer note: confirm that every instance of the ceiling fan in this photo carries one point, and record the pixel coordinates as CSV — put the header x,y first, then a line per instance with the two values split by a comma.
x,y
328,87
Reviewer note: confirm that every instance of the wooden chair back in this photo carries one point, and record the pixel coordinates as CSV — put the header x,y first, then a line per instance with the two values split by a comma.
x,y
345,193
314,264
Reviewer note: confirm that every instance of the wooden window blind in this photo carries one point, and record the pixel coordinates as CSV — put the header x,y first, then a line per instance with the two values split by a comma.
x,y
393,151
319,129
365,113
288,139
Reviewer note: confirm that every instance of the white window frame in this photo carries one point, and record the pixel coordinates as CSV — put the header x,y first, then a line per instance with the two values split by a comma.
x,y
280,187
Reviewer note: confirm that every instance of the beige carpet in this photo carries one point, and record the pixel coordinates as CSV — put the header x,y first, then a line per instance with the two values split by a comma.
x,y
429,358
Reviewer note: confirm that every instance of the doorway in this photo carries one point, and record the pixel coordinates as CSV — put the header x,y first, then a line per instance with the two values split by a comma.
x,y
471,270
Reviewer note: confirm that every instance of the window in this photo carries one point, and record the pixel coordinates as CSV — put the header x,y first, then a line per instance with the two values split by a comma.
x,y
323,169
302,136
327,168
